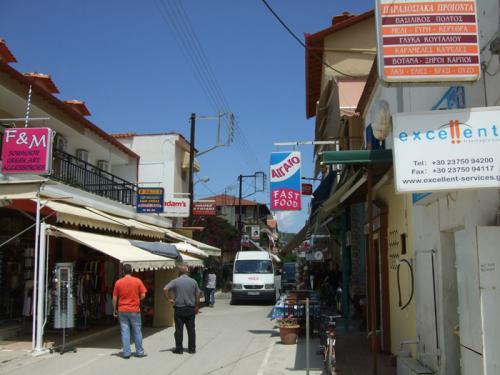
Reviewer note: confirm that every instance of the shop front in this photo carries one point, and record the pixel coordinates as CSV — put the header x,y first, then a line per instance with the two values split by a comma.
x,y
80,257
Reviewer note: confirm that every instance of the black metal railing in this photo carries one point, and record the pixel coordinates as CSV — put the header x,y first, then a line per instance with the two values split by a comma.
x,y
76,172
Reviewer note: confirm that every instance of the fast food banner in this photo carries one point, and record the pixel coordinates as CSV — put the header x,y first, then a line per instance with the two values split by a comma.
x,y
285,181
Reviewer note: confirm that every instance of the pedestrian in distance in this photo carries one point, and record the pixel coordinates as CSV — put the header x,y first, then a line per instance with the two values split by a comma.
x,y
210,287
186,303
127,294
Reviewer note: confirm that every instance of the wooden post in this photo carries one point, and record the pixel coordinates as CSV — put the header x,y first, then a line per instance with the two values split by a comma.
x,y
373,278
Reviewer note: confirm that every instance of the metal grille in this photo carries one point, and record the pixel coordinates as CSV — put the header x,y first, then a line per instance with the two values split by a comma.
x,y
253,286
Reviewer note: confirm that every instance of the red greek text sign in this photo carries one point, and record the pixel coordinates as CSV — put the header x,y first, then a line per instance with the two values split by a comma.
x,y
204,208
428,41
27,150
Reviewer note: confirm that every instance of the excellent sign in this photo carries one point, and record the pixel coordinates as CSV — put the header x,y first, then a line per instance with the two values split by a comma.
x,y
285,181
447,150
427,40
27,150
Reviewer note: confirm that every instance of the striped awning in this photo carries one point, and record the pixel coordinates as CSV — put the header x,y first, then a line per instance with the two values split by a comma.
x,y
116,247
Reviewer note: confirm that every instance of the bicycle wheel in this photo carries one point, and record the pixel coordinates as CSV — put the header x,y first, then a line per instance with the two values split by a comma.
x,y
330,358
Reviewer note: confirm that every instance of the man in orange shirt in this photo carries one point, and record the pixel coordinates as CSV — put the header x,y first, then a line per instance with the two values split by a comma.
x,y
127,294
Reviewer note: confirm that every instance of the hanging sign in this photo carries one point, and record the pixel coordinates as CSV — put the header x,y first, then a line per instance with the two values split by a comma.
x,y
285,181
150,200
255,232
27,150
447,150
204,208
176,207
307,189
427,40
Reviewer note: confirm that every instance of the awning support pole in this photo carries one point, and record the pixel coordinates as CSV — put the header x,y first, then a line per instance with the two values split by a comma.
x,y
36,266
40,309
373,279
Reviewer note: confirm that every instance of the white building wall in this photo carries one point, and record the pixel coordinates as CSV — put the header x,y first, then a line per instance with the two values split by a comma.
x,y
447,224
458,213
157,160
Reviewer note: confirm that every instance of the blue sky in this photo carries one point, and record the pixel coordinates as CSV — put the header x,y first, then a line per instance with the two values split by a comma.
x,y
123,59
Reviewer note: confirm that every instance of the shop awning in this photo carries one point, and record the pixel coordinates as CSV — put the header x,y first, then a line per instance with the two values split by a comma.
x,y
18,191
341,193
168,250
323,191
76,215
118,248
210,250
158,248
296,241
135,226
191,261
190,249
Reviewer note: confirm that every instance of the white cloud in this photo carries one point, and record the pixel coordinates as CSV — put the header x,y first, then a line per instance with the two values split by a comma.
x,y
291,221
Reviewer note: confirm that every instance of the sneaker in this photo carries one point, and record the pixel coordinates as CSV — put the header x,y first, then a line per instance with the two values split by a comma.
x,y
126,357
141,355
177,351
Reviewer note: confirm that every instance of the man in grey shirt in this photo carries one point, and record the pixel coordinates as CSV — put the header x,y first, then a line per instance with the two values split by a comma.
x,y
186,306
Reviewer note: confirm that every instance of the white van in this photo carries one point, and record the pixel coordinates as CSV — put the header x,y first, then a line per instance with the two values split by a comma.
x,y
253,277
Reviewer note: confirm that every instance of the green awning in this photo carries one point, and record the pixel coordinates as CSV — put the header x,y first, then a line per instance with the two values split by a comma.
x,y
356,157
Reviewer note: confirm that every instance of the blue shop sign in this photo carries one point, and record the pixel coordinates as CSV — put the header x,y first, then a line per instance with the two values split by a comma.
x,y
150,200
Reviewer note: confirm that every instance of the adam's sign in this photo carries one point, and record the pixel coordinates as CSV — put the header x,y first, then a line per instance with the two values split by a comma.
x,y
27,150
285,181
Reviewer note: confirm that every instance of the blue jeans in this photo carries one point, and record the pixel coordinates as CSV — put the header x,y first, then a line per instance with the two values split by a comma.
x,y
128,321
211,296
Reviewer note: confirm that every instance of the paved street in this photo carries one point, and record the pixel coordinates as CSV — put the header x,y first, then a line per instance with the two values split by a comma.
x,y
231,340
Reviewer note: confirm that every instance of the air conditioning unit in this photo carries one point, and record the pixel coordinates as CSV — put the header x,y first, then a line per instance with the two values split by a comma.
x,y
60,143
103,164
82,154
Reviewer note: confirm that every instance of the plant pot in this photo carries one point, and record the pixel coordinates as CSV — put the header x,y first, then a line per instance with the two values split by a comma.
x,y
289,334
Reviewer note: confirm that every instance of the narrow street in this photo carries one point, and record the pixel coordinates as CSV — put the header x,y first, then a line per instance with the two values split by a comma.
x,y
231,340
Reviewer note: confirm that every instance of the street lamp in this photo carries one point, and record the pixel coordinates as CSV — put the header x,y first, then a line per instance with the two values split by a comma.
x,y
203,180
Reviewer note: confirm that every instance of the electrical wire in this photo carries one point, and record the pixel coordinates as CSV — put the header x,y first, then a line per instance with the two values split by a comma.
x,y
176,18
303,44
399,284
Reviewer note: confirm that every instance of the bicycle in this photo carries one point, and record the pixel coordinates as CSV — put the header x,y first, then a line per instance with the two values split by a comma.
x,y
328,341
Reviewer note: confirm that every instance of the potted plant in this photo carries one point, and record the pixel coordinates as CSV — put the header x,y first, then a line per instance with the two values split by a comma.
x,y
289,328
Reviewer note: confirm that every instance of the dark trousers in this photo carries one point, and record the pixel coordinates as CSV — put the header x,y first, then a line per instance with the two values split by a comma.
x,y
185,315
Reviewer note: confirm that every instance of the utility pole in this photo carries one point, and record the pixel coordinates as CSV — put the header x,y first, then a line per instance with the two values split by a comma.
x,y
240,196
230,128
240,180
191,162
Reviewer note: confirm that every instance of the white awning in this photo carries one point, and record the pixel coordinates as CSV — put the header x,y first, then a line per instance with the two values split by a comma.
x,y
18,191
118,248
185,247
135,226
191,261
76,215
210,250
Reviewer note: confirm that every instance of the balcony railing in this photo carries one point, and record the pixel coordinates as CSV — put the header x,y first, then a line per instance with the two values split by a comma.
x,y
76,172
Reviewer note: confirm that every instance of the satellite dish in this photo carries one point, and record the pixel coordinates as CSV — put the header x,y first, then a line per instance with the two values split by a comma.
x,y
381,119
